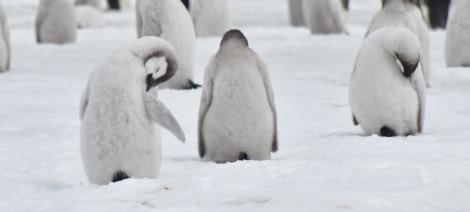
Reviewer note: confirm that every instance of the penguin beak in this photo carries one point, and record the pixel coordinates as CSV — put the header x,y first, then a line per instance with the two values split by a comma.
x,y
149,82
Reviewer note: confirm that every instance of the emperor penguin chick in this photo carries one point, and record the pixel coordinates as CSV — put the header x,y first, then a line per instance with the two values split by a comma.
x,y
296,14
97,4
387,88
210,17
237,115
5,50
457,48
56,22
325,16
118,135
170,20
405,13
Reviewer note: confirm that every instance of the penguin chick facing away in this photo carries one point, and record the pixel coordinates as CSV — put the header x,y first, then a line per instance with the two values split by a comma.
x,y
237,115
56,22
121,114
170,20
387,88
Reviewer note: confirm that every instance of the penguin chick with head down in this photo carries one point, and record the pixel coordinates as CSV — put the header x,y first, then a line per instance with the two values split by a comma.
x,y
387,89
118,137
237,115
169,19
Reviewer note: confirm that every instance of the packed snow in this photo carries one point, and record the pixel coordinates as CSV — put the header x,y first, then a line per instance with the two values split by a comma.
x,y
324,163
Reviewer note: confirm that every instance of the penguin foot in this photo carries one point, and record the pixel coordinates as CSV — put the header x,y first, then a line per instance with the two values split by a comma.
x,y
120,175
243,156
191,85
387,132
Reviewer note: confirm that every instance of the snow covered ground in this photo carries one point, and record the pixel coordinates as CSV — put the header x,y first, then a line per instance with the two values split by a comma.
x,y
324,162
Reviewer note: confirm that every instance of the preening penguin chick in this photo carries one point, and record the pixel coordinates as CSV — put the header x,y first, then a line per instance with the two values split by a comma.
x,y
118,110
56,22
169,19
5,50
237,115
387,89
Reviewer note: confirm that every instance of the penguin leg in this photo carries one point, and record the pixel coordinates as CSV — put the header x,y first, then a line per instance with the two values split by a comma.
x,y
243,156
120,175
386,131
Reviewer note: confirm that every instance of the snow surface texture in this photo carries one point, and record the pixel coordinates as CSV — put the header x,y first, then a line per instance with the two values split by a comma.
x,y
324,163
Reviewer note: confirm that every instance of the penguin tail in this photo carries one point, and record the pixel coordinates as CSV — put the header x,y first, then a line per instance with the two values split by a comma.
x,y
243,156
387,132
120,175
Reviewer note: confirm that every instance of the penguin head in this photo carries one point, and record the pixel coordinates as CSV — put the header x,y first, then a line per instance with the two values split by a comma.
x,y
157,71
234,37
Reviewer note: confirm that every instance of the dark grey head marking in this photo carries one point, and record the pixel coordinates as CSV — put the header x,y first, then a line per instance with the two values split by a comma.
x,y
170,71
409,67
234,34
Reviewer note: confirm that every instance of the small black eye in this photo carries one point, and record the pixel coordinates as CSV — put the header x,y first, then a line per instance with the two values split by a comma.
x,y
158,69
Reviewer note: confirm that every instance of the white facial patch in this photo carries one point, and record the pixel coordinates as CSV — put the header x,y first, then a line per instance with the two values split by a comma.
x,y
156,66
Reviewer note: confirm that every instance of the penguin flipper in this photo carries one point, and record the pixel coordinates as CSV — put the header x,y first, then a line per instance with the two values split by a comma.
x,y
419,84
39,21
263,69
138,19
355,122
83,102
160,114
206,101
6,35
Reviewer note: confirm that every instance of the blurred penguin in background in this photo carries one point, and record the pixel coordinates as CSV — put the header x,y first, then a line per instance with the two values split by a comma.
x,y
94,3
5,51
457,47
438,12
296,15
210,17
325,16
56,22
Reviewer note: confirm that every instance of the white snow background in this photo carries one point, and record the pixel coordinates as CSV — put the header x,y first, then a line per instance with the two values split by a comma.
x,y
324,162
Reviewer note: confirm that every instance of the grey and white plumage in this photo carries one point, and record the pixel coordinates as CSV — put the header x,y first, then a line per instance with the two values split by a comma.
x,y
296,14
89,17
405,13
5,50
237,114
94,3
210,17
387,88
457,45
119,110
325,16
170,20
56,22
